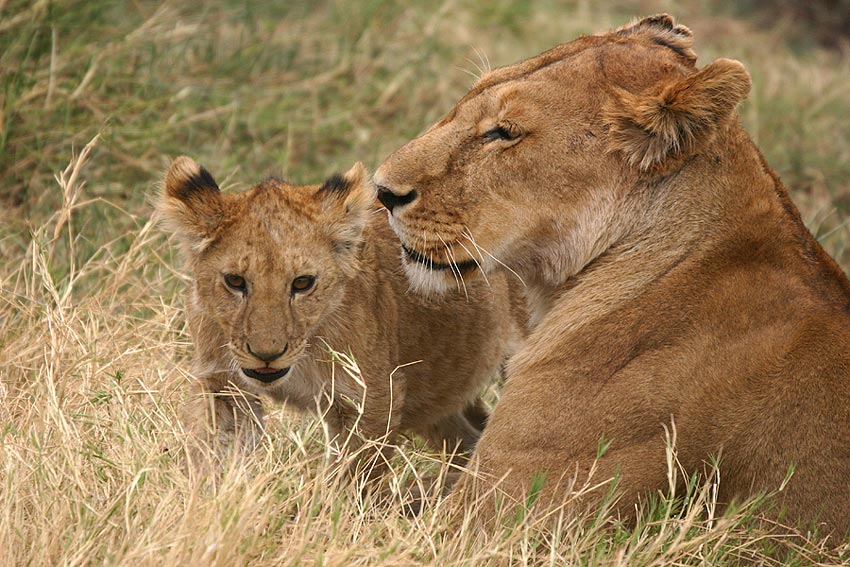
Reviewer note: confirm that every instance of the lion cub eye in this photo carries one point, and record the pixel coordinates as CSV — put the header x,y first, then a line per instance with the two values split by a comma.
x,y
235,282
303,283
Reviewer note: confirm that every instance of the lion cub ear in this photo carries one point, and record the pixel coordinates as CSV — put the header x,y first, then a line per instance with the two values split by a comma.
x,y
191,204
348,200
674,117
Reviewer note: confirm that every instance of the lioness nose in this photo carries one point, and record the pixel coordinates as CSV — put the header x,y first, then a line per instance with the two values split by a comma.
x,y
267,356
391,200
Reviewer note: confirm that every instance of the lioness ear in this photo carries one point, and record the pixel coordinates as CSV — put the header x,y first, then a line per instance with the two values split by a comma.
x,y
673,117
191,203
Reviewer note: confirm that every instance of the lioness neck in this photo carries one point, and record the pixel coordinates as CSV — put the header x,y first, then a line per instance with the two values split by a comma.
x,y
724,203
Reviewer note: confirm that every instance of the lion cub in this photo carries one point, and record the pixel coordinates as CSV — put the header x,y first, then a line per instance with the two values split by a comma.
x,y
284,274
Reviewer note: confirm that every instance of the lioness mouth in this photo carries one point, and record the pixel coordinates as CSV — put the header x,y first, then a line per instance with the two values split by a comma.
x,y
267,375
414,256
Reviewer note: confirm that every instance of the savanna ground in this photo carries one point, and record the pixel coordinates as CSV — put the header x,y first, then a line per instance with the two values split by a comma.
x,y
98,96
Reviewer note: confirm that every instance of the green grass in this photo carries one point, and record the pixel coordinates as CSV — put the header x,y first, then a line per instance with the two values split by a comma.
x,y
93,344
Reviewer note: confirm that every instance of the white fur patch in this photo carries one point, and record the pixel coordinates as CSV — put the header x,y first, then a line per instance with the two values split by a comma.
x,y
424,281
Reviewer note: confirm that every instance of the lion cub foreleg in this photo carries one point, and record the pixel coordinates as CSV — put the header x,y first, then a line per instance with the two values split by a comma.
x,y
223,418
363,422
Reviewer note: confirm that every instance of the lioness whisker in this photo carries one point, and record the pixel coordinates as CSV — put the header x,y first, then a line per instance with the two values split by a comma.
x,y
453,265
425,247
448,261
485,60
479,247
474,244
480,267
452,268
479,71
467,71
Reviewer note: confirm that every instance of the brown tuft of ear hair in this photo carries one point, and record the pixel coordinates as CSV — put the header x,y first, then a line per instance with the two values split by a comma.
x,y
662,30
191,203
348,200
671,119
352,189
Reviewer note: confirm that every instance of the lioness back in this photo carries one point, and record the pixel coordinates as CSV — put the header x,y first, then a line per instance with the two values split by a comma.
x,y
675,292
286,279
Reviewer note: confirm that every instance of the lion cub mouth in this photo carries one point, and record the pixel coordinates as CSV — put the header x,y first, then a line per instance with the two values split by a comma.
x,y
414,256
265,374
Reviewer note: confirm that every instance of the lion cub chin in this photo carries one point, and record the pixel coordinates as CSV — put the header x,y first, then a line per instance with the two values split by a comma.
x,y
286,278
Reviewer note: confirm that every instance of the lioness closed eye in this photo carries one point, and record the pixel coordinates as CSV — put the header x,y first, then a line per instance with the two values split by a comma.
x,y
671,279
280,271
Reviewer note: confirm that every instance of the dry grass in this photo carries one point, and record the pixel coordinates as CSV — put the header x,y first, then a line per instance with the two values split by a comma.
x,y
93,344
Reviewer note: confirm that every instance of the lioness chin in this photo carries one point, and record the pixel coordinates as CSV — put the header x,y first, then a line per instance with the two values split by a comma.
x,y
282,275
671,280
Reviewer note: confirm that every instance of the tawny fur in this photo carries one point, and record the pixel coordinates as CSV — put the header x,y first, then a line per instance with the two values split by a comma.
x,y
423,362
671,280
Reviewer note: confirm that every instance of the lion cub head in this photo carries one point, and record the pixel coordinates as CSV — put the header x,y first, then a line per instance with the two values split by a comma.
x,y
534,167
269,265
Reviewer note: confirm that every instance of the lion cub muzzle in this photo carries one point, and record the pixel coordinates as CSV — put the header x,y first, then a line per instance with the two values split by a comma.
x,y
265,374
267,356
268,373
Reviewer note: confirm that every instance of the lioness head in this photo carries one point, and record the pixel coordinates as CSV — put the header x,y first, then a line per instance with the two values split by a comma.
x,y
269,265
534,167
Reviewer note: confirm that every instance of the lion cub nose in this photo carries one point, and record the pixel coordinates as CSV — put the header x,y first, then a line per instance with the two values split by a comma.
x,y
267,356
392,200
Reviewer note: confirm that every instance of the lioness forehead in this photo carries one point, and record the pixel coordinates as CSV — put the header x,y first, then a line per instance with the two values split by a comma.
x,y
619,57
527,67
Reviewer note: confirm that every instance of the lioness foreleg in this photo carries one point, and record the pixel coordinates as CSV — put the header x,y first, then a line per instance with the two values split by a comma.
x,y
455,435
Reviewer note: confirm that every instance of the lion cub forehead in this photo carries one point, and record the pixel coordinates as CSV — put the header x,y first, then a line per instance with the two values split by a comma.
x,y
274,212
277,198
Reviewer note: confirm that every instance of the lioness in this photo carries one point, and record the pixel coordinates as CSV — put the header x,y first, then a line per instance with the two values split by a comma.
x,y
281,271
670,278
